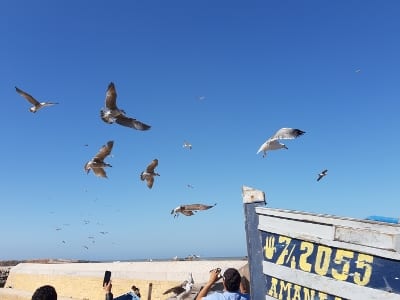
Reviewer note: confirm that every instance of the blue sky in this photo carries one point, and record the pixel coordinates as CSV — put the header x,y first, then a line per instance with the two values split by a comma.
x,y
329,68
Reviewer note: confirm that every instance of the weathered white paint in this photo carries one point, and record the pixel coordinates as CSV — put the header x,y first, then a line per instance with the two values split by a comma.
x,y
251,195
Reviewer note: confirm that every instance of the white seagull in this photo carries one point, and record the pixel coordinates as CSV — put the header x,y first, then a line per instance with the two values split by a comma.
x,y
190,209
112,114
322,174
282,134
36,104
97,163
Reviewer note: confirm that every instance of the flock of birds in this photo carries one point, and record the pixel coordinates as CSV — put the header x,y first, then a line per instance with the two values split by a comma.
x,y
111,114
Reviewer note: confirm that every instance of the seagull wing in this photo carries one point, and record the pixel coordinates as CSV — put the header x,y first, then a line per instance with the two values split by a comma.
x,y
104,151
176,289
28,97
111,97
150,181
132,123
99,172
287,133
197,206
322,174
150,168
270,144
187,212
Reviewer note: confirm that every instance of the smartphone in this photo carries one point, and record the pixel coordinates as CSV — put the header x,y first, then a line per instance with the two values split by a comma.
x,y
107,277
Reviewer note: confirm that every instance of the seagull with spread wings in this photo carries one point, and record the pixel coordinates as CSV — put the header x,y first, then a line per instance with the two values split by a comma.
x,y
282,134
36,104
97,163
190,209
322,174
112,114
183,290
149,173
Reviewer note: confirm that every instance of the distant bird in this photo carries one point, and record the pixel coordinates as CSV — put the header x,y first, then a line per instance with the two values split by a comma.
x,y
188,145
112,114
322,174
36,104
358,70
190,209
190,186
86,247
149,174
97,163
201,98
282,134
182,290
103,232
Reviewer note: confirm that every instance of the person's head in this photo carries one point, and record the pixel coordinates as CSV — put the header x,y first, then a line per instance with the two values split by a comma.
x,y
46,292
135,290
232,279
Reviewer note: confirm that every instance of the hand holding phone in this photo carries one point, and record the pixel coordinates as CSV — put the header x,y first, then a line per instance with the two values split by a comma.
x,y
107,277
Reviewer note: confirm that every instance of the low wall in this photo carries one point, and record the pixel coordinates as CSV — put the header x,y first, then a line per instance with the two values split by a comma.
x,y
83,281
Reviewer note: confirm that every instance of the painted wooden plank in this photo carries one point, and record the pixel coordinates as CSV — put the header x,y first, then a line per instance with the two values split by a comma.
x,y
330,219
338,244
253,240
315,230
322,284
341,264
370,238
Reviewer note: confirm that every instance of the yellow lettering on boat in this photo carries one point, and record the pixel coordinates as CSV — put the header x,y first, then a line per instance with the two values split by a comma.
x,y
285,290
272,291
322,260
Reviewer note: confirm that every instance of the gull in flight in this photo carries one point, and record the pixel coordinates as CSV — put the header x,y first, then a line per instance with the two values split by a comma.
x,y
188,145
322,174
36,104
189,209
97,163
112,114
149,173
282,134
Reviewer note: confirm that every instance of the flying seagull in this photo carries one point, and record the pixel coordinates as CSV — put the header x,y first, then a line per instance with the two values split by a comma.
x,y
189,209
97,163
112,114
322,174
282,134
182,290
36,104
149,174
188,145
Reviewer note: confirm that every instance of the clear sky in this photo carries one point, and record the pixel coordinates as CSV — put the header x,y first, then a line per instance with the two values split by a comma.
x,y
224,75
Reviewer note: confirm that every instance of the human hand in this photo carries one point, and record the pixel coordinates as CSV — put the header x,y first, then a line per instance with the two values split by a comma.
x,y
215,275
107,287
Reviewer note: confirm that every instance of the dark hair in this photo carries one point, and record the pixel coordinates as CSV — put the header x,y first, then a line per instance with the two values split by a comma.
x,y
232,280
46,292
136,290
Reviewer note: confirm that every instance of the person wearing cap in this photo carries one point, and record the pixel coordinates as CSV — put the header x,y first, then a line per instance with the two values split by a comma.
x,y
231,280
